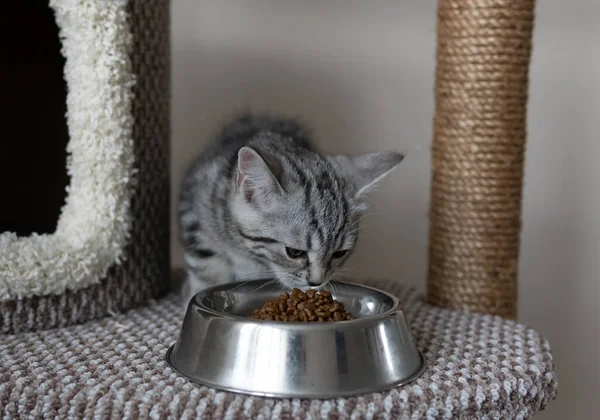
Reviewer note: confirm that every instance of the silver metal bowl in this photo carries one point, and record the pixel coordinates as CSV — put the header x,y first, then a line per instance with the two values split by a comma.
x,y
221,348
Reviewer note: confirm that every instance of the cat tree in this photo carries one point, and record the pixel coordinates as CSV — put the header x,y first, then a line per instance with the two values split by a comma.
x,y
110,249
62,356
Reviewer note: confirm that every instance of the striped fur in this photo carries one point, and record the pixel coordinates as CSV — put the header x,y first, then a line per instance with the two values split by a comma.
x,y
261,202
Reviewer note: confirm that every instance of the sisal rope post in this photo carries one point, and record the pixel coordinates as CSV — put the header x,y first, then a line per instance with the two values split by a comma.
x,y
481,92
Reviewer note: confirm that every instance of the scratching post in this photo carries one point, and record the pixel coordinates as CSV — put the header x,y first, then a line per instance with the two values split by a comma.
x,y
481,91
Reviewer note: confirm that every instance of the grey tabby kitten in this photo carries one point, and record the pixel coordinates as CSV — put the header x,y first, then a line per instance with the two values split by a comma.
x,y
261,202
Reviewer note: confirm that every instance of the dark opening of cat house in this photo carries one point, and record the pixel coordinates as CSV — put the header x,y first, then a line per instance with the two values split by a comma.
x,y
33,93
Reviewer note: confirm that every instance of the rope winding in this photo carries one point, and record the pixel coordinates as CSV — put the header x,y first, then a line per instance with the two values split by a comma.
x,y
481,92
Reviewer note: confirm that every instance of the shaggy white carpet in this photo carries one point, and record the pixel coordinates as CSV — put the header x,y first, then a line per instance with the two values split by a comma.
x,y
94,224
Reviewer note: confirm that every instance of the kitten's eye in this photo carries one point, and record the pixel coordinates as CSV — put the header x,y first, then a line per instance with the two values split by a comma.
x,y
294,253
339,254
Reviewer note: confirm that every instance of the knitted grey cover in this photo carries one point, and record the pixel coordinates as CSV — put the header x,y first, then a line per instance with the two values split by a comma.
x,y
145,272
479,366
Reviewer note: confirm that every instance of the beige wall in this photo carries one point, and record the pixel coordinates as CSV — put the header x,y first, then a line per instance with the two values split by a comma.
x,y
362,74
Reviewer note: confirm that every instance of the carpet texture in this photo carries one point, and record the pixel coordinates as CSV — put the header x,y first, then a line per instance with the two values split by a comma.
x,y
479,366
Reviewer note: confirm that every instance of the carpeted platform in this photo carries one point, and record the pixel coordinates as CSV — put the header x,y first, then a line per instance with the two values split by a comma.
x,y
479,366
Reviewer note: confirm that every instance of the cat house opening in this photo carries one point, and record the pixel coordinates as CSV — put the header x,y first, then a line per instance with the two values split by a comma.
x,y
33,92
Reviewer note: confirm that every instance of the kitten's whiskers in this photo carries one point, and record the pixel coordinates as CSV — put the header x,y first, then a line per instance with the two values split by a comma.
x,y
367,215
265,284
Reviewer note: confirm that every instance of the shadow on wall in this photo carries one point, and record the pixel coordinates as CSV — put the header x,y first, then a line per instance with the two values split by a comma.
x,y
211,85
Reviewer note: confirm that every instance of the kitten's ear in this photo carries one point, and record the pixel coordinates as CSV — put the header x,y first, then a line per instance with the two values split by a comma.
x,y
255,180
365,170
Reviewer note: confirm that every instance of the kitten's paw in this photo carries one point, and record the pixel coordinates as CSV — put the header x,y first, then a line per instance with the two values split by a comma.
x,y
185,296
190,288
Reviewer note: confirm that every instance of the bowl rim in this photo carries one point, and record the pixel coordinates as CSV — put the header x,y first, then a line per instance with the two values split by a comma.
x,y
396,307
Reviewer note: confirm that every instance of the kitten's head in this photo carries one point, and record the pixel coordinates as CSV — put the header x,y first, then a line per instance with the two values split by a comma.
x,y
300,216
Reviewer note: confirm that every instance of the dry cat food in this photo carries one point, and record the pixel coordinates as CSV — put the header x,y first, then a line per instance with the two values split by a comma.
x,y
298,306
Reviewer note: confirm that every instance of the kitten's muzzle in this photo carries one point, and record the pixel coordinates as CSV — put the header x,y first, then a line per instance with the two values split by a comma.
x,y
318,276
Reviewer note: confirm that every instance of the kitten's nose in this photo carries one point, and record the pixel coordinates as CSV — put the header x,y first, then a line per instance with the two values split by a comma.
x,y
317,277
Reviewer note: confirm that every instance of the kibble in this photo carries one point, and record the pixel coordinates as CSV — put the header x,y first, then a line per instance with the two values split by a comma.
x,y
299,306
